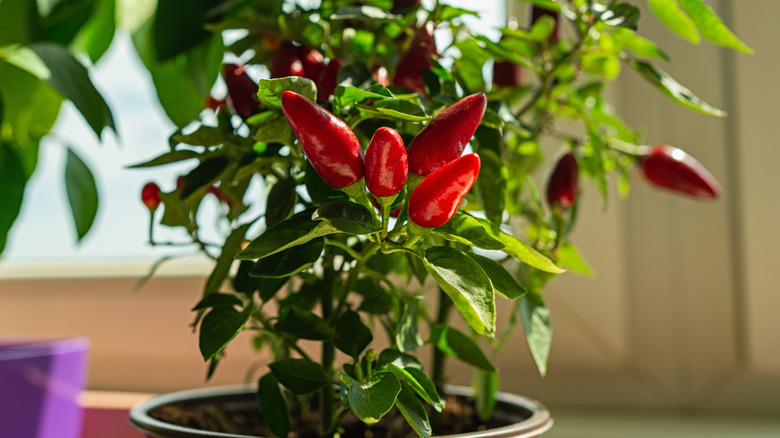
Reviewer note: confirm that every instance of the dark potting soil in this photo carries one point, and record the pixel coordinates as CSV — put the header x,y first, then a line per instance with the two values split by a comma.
x,y
241,418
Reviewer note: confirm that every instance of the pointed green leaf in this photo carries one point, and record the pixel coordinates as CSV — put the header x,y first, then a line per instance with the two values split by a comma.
x,y
670,14
218,300
519,249
418,381
347,217
407,336
538,328
302,324
403,360
504,283
270,90
468,230
297,230
289,261
371,401
205,174
414,412
467,285
273,406
570,257
661,80
219,327
352,336
167,158
82,193
221,270
711,26
456,344
12,184
300,376
621,15
485,388
493,188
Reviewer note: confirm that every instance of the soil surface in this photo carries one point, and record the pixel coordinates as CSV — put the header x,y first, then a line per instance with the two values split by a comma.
x,y
459,416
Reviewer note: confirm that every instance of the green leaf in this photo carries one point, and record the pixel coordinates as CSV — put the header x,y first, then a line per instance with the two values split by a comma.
x,y
504,283
711,26
346,96
621,15
400,110
670,14
661,80
448,12
218,300
206,135
167,158
175,211
468,230
402,360
371,401
276,130
178,28
492,187
352,336
297,230
267,287
205,174
95,37
538,328
407,337
420,383
376,300
70,78
467,285
273,406
486,386
414,412
569,257
304,325
639,45
281,201
347,217
300,376
219,327
12,184
456,344
221,270
519,249
289,261
82,193
270,90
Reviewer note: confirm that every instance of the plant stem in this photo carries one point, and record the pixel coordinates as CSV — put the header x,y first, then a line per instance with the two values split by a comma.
x,y
328,348
438,358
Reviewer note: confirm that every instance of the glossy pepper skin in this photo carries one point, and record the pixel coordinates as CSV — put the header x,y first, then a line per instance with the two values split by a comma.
x,y
671,168
445,137
416,59
241,90
386,163
437,198
150,196
312,61
286,61
328,143
328,79
562,186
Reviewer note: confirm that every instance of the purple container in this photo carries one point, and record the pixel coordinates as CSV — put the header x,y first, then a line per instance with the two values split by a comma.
x,y
40,383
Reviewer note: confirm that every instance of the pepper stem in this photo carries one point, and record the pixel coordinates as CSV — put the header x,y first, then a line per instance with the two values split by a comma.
x,y
357,191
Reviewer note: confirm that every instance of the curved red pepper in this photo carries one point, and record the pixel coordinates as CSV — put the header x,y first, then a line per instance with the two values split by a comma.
x,y
538,12
562,186
150,196
410,68
445,137
312,61
436,200
286,61
328,79
507,74
327,142
241,90
672,168
386,163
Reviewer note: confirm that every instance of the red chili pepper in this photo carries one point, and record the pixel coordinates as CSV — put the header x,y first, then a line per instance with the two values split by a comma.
x,y
416,59
327,142
562,186
286,61
215,104
242,90
538,12
380,75
445,137
150,196
436,200
328,79
219,194
386,163
672,168
313,63
507,74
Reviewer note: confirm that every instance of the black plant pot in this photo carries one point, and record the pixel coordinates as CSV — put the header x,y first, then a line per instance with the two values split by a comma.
x,y
524,418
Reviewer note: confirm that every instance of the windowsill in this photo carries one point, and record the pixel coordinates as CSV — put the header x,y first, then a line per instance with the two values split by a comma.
x,y
194,266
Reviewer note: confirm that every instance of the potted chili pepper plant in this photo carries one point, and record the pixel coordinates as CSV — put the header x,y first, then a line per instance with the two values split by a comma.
x,y
390,168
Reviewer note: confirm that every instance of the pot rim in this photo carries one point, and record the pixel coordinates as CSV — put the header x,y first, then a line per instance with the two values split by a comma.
x,y
539,422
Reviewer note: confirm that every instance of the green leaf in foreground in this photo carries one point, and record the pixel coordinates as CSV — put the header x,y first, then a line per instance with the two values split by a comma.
x,y
297,230
538,328
371,401
219,327
273,406
661,80
711,26
467,285
414,412
300,376
670,14
270,90
504,283
459,346
12,184
82,193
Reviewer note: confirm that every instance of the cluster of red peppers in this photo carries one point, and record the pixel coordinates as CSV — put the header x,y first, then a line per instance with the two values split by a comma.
x,y
292,60
441,177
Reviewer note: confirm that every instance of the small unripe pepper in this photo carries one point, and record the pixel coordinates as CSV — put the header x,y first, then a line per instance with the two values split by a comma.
x,y
673,169
286,61
437,198
538,12
150,196
241,90
445,137
410,68
386,163
328,143
562,186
